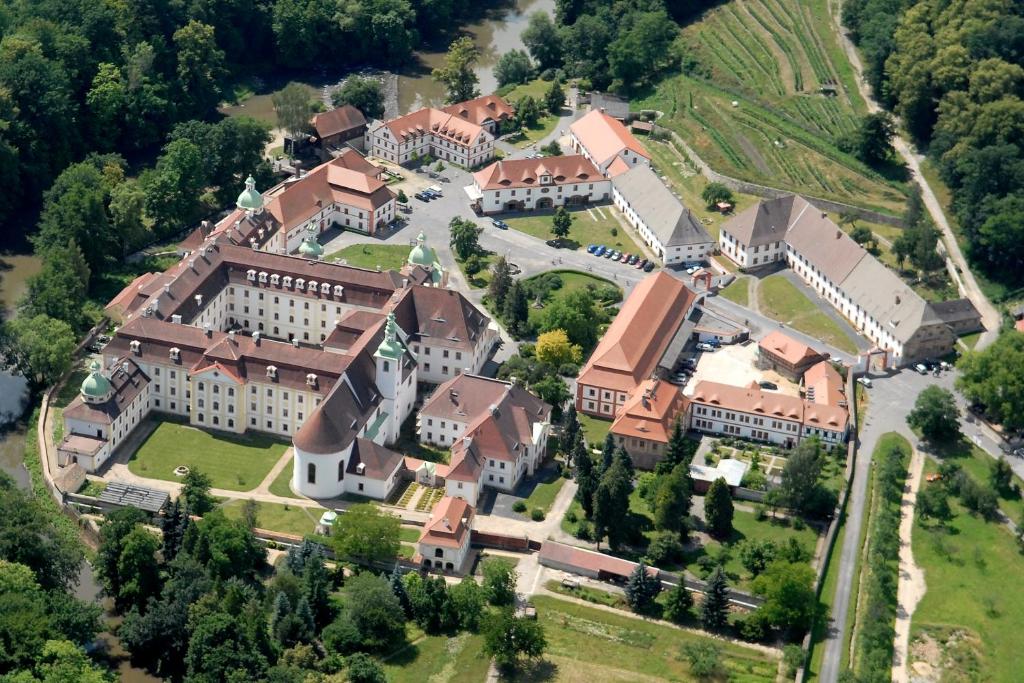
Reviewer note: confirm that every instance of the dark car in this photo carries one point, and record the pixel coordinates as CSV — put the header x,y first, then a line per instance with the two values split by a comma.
x,y
641,263
422,197
591,248
600,250
649,267
632,260
500,225
771,386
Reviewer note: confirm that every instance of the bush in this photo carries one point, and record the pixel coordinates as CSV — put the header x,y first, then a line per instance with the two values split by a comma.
x,y
519,506
759,513
752,627
583,531
568,370
792,657
799,524
665,547
615,232
571,517
537,515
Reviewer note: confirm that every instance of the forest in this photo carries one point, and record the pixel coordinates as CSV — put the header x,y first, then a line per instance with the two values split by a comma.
x,y
954,73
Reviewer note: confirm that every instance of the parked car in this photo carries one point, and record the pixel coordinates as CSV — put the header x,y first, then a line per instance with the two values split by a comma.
x,y
422,197
633,260
641,263
649,267
601,249
1019,452
704,346
921,368
691,270
609,254
591,248
770,386
499,224
436,190
864,381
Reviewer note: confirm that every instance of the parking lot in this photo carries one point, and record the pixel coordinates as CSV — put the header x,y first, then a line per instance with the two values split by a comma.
x,y
736,364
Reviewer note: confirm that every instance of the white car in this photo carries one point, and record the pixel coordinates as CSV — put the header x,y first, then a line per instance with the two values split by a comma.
x,y
436,189
922,368
704,346
864,381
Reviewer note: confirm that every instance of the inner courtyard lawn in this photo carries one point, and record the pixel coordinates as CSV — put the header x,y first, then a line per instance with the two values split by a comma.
x,y
972,605
780,299
285,519
738,292
592,225
234,462
587,644
387,256
549,483
438,659
281,486
571,281
594,429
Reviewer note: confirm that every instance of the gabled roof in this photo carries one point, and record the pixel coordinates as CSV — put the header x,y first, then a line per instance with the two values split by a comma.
x,y
482,109
787,348
378,462
824,384
659,209
338,120
127,381
332,182
605,137
650,412
450,523
888,299
560,170
764,223
636,340
441,317
429,121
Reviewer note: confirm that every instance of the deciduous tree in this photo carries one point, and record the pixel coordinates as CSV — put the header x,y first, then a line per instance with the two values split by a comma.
x,y
508,638
936,415
364,93
513,67
368,533
456,74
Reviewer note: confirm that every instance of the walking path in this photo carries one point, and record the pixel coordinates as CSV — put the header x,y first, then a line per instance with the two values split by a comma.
x,y
264,486
960,272
911,585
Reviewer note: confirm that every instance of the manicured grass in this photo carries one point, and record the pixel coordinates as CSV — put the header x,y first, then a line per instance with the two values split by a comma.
x,y
438,659
588,644
738,292
977,464
234,462
970,340
409,534
387,256
528,136
779,298
281,486
969,567
537,89
589,226
594,429
571,281
482,278
286,519
548,485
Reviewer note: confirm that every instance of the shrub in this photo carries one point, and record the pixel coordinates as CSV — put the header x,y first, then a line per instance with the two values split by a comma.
x,y
615,232
519,506
792,657
570,517
759,513
799,524
537,515
583,531
664,547
752,627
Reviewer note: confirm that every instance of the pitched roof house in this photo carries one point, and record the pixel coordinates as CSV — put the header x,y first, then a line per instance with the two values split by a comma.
x,y
603,140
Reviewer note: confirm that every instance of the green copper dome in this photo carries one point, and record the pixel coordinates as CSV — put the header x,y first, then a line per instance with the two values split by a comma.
x,y
310,248
391,347
95,385
421,254
250,199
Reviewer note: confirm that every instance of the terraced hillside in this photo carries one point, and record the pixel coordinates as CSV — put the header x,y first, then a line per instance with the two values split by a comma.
x,y
772,93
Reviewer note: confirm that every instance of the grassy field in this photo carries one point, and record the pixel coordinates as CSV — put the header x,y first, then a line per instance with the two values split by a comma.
x,y
438,659
571,281
775,94
594,429
589,226
549,483
286,519
587,644
738,292
387,256
779,298
281,486
973,611
240,462
977,464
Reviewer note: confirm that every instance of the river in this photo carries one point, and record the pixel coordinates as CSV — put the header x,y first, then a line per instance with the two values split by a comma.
x,y
15,271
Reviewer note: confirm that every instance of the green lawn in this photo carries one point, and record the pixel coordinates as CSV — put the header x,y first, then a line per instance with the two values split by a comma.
x,y
587,644
482,278
779,298
549,483
738,292
286,519
281,486
970,568
537,89
594,429
970,340
234,462
977,464
387,256
571,281
92,487
589,226
438,659
409,534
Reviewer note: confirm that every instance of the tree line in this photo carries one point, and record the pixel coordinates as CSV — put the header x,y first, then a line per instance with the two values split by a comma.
x,y
954,73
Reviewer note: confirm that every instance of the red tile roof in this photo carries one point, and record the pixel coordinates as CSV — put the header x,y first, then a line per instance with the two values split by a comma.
x,y
650,412
587,560
787,348
437,122
449,524
482,109
512,173
605,137
338,120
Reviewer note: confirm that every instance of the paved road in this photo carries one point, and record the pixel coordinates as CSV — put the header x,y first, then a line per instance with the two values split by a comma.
x,y
960,272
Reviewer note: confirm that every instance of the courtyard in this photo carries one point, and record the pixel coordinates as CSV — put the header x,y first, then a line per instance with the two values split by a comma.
x,y
232,461
593,225
736,364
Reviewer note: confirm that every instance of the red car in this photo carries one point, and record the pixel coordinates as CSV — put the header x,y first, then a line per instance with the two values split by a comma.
x,y
623,258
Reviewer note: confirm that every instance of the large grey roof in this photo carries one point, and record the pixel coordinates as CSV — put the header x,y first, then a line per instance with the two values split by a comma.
x,y
763,223
888,299
659,209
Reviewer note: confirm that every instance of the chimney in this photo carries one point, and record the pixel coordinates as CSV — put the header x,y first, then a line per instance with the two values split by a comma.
x,y
231,335
176,319
295,343
124,366
839,234
897,299
208,329
405,282
256,337
494,409
466,441
167,289
199,300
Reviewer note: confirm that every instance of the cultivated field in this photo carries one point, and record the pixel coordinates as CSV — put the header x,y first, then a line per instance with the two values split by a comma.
x,y
775,93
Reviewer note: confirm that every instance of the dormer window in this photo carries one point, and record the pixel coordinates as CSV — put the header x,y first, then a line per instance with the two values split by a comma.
x,y
325,288
272,371
135,345
275,279
300,283
545,180
263,276
312,286
338,290
287,280
175,353
311,379
251,274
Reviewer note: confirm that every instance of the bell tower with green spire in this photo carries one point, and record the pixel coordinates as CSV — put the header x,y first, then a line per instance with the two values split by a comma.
x,y
396,398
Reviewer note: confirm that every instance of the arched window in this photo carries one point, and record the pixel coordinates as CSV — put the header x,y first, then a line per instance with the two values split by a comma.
x,y
311,473
341,470
438,552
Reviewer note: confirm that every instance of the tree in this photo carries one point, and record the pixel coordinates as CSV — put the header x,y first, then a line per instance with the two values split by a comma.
x,y
641,588
200,67
672,500
756,555
294,108
175,185
1000,475
641,48
678,451
935,414
225,547
64,661
586,478
516,311
716,193
316,590
137,569
872,141
554,99
542,40
528,112
561,222
363,93
116,528
607,452
398,588
364,669
507,638
552,149
554,348
718,509
994,377
513,67
703,658
933,503
499,582
221,648
467,602
801,475
24,624
788,590
374,610
501,282
464,237
862,235
678,603
571,431
127,215
611,504
714,609
367,532
60,288
578,314
457,75
40,348
195,489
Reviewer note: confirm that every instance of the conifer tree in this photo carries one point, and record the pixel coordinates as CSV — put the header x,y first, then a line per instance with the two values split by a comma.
x,y
714,611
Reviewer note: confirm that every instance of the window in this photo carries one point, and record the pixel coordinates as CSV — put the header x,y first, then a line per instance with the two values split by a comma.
x,y
341,470
311,473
